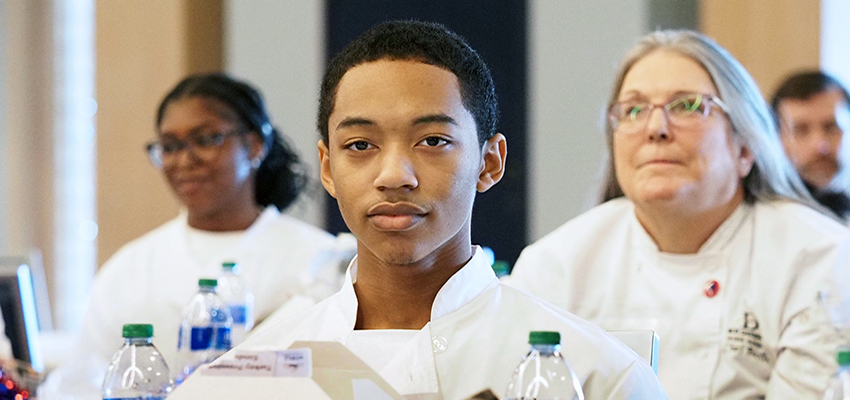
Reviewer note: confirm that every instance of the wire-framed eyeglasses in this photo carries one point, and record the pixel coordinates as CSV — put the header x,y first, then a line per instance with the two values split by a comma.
x,y
203,146
685,111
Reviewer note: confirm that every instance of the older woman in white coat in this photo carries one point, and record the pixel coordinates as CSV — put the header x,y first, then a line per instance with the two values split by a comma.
x,y
707,235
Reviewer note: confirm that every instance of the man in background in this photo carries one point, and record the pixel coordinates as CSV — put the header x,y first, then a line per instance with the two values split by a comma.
x,y
813,113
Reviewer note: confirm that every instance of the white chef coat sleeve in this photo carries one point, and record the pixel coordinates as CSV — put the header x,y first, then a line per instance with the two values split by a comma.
x,y
803,367
807,345
327,268
535,271
100,334
81,375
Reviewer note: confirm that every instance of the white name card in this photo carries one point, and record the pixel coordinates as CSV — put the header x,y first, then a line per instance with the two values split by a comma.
x,y
285,363
295,363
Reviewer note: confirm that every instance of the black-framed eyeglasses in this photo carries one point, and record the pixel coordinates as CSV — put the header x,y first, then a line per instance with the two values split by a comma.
x,y
205,146
686,111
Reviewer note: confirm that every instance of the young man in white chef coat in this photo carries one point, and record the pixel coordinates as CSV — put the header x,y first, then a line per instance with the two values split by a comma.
x,y
408,118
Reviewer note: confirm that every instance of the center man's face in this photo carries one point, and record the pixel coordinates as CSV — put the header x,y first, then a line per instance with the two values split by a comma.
x,y
403,160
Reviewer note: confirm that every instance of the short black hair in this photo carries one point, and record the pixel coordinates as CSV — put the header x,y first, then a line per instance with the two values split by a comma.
x,y
429,43
280,178
803,85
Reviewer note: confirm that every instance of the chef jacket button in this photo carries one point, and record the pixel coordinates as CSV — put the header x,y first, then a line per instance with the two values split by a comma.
x,y
439,344
339,339
711,288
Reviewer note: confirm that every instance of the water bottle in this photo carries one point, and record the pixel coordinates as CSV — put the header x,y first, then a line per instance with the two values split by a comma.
x,y
834,305
239,299
839,385
137,371
205,330
544,374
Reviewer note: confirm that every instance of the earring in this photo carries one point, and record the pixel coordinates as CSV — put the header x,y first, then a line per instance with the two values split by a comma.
x,y
255,162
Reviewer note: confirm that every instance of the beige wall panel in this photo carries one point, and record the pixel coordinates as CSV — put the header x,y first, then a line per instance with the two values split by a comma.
x,y
140,50
26,123
143,49
771,38
204,41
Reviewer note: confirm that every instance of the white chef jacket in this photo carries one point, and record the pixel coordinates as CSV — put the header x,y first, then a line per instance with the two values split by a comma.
x,y
761,335
477,335
153,278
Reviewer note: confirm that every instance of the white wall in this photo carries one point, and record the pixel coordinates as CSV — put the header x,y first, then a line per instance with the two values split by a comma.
x,y
835,31
75,226
279,46
575,48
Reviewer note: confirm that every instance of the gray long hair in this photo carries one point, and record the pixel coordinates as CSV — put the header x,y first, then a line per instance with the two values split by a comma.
x,y
772,175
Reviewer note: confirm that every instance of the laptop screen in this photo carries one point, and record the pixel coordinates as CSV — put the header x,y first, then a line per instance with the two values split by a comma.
x,y
17,303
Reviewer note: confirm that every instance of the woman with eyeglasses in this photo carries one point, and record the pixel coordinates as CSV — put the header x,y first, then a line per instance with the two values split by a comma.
x,y
706,235
234,174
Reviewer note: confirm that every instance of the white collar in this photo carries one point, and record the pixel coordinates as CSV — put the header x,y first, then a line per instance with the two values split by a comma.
x,y
716,243
182,230
467,283
270,213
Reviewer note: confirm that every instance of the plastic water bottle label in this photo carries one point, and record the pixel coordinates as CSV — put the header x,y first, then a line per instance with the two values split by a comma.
x,y
217,316
222,339
180,338
202,337
238,313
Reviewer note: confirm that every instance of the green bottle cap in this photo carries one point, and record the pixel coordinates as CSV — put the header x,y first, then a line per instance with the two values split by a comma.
x,y
138,331
210,283
843,357
544,337
228,265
